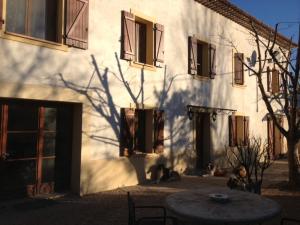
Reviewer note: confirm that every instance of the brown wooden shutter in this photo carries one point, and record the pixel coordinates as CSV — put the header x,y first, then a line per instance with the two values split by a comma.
x,y
246,130
270,136
238,68
275,81
159,44
232,131
128,36
127,130
158,131
269,80
192,52
212,61
77,23
1,15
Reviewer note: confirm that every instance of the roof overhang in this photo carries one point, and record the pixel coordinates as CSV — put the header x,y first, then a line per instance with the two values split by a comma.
x,y
230,11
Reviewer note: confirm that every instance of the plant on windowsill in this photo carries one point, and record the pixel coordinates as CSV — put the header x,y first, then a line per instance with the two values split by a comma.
x,y
249,162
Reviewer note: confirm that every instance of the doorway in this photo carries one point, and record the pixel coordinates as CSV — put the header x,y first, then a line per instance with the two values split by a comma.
x,y
203,143
36,145
275,138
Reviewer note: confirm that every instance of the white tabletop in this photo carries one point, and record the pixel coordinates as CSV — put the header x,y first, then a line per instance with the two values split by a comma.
x,y
242,207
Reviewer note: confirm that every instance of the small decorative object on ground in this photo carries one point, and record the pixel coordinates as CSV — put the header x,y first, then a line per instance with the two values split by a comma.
x,y
162,173
249,162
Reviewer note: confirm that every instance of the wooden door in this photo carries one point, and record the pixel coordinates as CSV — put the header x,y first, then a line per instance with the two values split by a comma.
x,y
202,139
275,139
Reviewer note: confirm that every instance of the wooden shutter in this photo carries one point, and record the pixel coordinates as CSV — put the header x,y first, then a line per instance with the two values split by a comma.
x,y
158,131
246,130
269,80
1,15
127,130
238,68
192,52
128,36
232,131
159,44
212,61
77,23
275,81
270,136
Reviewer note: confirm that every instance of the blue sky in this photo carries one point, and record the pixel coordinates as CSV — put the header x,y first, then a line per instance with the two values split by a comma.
x,y
274,11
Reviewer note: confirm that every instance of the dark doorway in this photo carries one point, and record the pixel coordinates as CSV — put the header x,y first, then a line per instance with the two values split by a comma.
x,y
275,138
202,125
36,145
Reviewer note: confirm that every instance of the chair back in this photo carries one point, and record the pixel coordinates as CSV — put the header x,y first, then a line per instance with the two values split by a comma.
x,y
131,210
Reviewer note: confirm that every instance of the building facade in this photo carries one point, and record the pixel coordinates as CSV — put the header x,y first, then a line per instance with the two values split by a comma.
x,y
94,94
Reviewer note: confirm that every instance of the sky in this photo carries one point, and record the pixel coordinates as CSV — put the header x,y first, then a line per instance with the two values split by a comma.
x,y
273,11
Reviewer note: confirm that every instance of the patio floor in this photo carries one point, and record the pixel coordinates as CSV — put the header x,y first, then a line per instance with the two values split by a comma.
x,y
110,207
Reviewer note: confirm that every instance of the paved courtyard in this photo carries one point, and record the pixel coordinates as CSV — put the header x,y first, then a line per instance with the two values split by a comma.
x,y
110,207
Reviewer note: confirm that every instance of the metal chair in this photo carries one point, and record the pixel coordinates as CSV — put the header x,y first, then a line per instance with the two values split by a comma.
x,y
289,221
155,220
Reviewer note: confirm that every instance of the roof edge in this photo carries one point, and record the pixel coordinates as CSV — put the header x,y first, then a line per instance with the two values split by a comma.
x,y
241,17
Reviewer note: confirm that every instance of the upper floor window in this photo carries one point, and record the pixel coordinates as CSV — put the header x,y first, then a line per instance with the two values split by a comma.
x,y
34,18
273,80
60,21
202,58
142,40
238,68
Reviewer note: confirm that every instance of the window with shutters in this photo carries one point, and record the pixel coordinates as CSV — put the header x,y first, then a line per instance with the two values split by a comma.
x,y
238,130
273,80
142,40
49,23
142,131
202,58
238,68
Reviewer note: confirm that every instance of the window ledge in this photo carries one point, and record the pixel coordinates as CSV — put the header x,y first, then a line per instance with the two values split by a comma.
x,y
239,85
143,66
201,78
33,41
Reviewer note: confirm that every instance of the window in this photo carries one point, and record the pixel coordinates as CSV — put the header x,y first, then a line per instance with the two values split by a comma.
x,y
35,18
238,130
142,130
202,58
238,68
273,80
142,40
36,21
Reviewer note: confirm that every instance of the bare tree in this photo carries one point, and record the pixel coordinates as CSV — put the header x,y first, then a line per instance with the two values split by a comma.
x,y
286,101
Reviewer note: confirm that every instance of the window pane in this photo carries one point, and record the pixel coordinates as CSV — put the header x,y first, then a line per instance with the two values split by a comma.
x,y
38,18
43,19
49,144
48,170
16,14
140,37
21,117
50,119
21,145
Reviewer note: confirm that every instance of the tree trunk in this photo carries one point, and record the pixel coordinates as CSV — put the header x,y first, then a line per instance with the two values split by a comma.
x,y
293,159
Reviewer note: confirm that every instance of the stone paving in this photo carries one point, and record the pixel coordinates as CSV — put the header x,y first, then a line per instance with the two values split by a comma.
x,y
110,207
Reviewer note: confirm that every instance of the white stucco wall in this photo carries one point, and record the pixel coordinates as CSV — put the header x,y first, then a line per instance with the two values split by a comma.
x,y
27,67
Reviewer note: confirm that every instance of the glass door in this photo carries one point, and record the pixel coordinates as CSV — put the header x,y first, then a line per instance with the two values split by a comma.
x,y
28,139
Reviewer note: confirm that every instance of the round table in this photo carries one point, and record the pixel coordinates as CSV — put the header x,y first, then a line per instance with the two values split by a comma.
x,y
241,208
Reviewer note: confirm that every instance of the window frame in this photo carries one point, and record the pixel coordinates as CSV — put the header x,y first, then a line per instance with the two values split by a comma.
x,y
236,59
59,45
149,22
